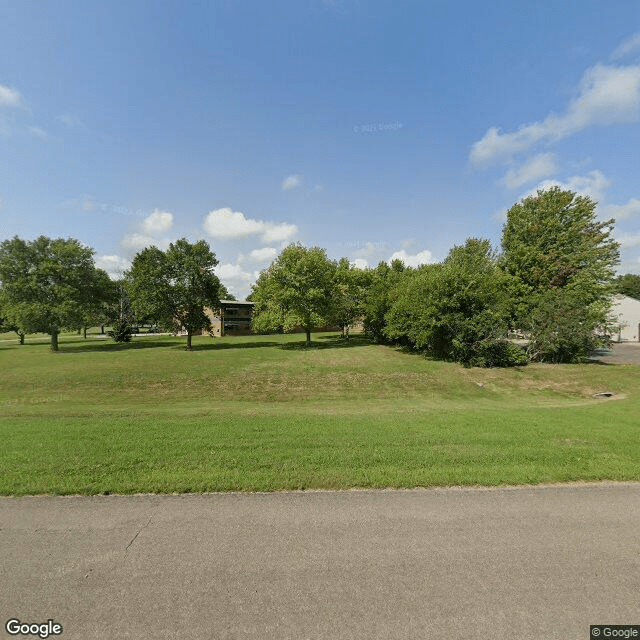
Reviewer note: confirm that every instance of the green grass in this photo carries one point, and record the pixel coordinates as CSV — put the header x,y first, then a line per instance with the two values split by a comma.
x,y
262,413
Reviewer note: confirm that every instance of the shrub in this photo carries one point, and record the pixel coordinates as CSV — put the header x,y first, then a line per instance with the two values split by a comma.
x,y
121,331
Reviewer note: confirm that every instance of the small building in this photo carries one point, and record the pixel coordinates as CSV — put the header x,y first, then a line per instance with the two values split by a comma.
x,y
233,318
626,312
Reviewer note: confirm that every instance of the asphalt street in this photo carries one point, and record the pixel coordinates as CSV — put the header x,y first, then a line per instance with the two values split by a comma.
x,y
469,563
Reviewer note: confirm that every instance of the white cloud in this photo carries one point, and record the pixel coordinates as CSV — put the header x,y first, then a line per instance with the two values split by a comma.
x,y
538,167
138,241
622,211
9,97
371,250
593,185
626,47
279,232
158,222
359,263
607,95
115,266
266,254
291,182
149,231
235,278
415,260
227,224
628,240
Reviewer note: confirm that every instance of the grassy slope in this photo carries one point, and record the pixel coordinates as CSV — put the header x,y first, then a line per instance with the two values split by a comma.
x,y
262,413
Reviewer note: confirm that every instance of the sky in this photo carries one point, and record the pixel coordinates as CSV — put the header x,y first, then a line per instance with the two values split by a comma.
x,y
373,129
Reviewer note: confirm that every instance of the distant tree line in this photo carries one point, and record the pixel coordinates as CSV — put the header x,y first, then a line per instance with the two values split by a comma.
x,y
53,285
551,283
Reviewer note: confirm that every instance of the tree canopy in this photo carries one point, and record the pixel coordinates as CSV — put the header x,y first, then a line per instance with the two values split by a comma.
x,y
563,258
296,290
628,285
48,285
174,287
456,310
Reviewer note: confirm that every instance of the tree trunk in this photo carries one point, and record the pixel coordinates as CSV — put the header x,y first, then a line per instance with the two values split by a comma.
x,y
308,332
188,339
54,339
102,330
20,337
84,332
346,331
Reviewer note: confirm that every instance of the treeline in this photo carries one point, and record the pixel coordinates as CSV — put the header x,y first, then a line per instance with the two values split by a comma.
x,y
551,282
50,285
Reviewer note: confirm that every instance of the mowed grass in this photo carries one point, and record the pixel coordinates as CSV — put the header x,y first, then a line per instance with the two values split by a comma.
x,y
263,413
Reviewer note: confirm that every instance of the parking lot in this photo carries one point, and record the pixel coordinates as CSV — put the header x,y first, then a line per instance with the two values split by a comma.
x,y
620,353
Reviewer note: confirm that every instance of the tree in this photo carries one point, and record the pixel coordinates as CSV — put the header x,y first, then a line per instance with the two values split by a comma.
x,y
628,285
173,287
379,296
48,285
296,290
555,247
456,310
349,290
100,308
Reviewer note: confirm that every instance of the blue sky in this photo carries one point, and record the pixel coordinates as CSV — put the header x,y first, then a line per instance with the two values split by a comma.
x,y
372,129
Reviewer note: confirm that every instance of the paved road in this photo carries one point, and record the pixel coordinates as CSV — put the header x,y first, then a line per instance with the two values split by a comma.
x,y
517,563
622,353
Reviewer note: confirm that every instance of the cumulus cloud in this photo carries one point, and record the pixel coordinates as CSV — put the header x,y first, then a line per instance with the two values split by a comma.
x,y
114,265
266,254
622,211
137,241
606,95
538,167
158,222
9,97
235,278
291,182
594,185
415,260
359,263
150,229
227,224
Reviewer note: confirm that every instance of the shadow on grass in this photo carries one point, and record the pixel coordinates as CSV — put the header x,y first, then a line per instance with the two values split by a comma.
x,y
217,346
329,342
105,345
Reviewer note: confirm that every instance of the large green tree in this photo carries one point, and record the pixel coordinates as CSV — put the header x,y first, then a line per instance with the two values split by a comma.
x,y
456,310
296,290
563,258
48,285
174,287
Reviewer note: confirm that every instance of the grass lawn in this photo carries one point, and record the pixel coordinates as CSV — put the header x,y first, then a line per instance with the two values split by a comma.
x,y
262,413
